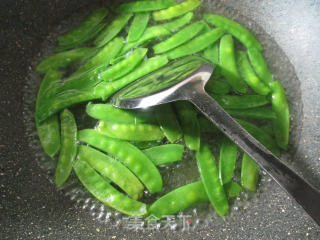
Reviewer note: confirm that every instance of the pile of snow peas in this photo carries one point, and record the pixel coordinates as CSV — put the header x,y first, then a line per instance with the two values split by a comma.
x,y
126,147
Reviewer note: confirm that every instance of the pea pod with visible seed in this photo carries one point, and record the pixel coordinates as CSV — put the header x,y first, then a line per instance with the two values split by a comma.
x,y
105,192
241,102
179,38
113,170
144,6
227,160
109,113
249,173
189,124
167,153
85,31
112,30
129,155
131,132
69,147
179,199
228,65
176,10
168,122
197,44
234,28
138,26
211,182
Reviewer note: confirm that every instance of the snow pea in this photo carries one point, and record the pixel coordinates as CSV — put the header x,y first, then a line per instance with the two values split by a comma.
x,y
109,113
260,66
233,189
131,131
229,66
69,147
281,124
241,102
145,144
256,113
227,160
104,89
48,130
234,28
105,192
85,31
189,123
211,182
179,199
197,44
179,38
113,170
176,24
212,53
217,87
249,173
263,137
138,26
168,122
64,59
112,30
176,10
249,75
125,66
129,155
143,6
167,153
149,34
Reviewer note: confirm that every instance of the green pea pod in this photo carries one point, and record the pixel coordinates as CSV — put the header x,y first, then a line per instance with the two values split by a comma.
x,y
211,182
88,74
260,66
103,58
229,66
241,102
125,66
129,155
104,89
48,130
212,53
112,30
149,34
168,122
69,147
197,44
144,6
217,87
234,28
109,113
189,124
249,173
64,59
179,38
176,10
104,192
249,75
145,144
179,199
233,189
131,132
227,160
178,23
263,137
138,26
255,113
281,124
167,153
206,126
113,170
85,31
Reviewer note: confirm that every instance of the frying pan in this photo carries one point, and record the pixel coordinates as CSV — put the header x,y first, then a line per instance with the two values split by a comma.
x,y
32,208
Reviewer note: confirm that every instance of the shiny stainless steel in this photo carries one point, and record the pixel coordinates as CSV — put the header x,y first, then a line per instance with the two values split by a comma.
x,y
192,89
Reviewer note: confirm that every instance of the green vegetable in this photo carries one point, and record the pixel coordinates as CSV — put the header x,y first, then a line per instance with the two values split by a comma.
x,y
233,189
227,160
256,113
144,6
217,87
178,23
249,173
69,147
241,102
164,154
138,26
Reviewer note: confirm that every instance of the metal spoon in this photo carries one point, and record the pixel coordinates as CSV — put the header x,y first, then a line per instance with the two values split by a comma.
x,y
149,92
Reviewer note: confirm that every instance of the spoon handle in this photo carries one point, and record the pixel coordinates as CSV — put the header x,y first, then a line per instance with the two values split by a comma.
x,y
305,194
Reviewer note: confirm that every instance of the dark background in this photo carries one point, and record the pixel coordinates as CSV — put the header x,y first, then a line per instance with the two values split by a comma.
x,y
31,207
